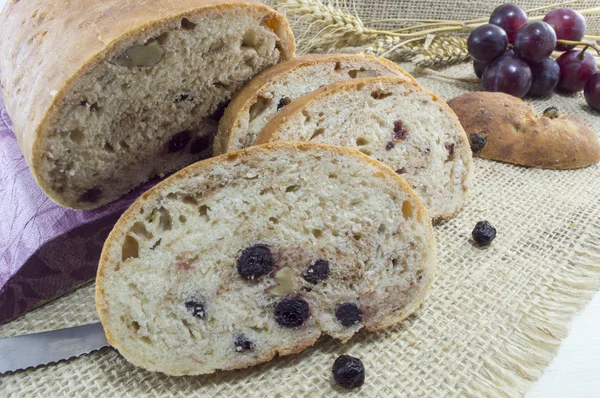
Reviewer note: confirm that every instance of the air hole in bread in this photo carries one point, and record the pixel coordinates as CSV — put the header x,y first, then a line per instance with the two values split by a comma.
x,y
362,141
216,46
204,209
156,244
395,262
162,39
306,116
165,222
146,340
317,133
182,219
292,188
172,196
135,326
108,148
140,229
360,86
317,233
186,24
250,39
76,136
92,195
338,66
381,228
259,107
407,209
379,95
401,170
189,200
130,248
282,103
123,144
332,175
366,151
357,236
274,220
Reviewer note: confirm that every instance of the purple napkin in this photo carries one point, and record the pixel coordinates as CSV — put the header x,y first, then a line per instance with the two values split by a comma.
x,y
45,250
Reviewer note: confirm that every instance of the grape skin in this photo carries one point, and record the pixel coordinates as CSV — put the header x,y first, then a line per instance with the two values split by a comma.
x,y
508,74
545,77
487,43
592,91
574,72
479,68
535,41
568,24
510,18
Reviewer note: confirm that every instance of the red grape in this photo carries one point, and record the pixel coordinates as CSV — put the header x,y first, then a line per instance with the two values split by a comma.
x,y
487,42
545,77
575,69
510,18
592,91
508,74
479,68
535,41
568,24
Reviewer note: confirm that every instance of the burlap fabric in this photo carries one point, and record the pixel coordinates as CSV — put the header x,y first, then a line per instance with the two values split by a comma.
x,y
493,321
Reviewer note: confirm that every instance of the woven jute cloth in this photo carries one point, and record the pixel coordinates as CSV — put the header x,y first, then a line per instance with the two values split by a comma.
x,y
493,321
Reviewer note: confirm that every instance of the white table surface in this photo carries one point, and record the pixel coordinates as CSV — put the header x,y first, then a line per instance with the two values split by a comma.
x,y
575,371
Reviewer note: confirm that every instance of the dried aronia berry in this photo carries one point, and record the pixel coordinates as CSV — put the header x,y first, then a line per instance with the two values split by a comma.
x,y
400,132
319,271
477,142
255,261
242,343
348,372
196,308
291,312
179,141
348,314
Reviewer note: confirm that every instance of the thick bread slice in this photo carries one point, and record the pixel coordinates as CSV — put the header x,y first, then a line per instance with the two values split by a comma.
x,y
393,120
170,292
105,94
257,102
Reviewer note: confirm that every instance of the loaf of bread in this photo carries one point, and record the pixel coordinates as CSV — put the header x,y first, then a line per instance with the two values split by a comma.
x,y
267,93
106,94
505,128
395,121
241,257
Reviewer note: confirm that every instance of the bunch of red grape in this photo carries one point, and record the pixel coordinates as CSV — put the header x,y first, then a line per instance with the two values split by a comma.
x,y
512,55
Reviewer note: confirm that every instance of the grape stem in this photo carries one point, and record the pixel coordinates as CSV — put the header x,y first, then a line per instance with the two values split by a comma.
x,y
580,43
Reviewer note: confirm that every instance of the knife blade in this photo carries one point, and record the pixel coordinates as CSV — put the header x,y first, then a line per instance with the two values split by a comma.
x,y
22,352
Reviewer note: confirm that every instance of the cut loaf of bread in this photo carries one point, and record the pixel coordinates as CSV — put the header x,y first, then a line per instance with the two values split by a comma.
x,y
268,92
107,94
241,257
393,120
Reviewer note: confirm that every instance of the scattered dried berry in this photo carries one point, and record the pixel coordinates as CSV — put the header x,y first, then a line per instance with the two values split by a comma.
x,y
348,314
450,148
390,145
179,141
282,103
255,261
91,195
551,112
243,343
477,142
484,233
400,132
319,271
291,312
196,308
200,144
348,372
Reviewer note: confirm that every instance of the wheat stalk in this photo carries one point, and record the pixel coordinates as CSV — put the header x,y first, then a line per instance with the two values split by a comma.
x,y
443,51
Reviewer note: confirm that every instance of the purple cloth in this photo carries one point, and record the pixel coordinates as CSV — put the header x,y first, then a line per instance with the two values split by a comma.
x,y
45,250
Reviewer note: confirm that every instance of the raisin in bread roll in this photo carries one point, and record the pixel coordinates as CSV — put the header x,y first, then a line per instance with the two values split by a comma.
x,y
247,255
105,94
393,120
268,92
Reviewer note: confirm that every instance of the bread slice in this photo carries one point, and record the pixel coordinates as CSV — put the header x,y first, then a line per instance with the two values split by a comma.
x,y
393,120
506,128
238,258
267,93
107,95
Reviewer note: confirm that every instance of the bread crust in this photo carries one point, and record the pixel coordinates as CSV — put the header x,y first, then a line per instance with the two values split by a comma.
x,y
248,95
62,40
108,258
270,131
515,134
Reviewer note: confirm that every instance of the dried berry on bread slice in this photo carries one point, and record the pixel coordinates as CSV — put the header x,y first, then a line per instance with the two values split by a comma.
x,y
259,252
